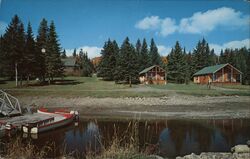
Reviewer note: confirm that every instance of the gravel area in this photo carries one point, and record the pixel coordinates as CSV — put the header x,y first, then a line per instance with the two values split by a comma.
x,y
176,106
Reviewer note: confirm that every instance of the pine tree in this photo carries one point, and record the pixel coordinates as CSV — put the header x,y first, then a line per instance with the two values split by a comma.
x,y
107,65
144,56
63,55
155,58
53,60
1,57
74,53
41,49
13,44
30,58
127,67
86,65
138,47
176,64
201,55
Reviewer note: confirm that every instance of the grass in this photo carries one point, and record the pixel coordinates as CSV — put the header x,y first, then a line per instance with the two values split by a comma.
x,y
95,87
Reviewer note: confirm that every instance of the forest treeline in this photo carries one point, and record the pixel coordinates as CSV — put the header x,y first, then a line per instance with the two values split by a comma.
x,y
123,64
24,55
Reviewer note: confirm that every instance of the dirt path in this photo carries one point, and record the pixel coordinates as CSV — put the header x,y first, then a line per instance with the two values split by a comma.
x,y
175,106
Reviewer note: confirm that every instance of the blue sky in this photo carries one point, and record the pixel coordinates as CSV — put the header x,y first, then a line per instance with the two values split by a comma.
x,y
88,24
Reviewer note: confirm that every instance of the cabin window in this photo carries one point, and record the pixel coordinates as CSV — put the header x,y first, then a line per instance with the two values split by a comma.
x,y
215,77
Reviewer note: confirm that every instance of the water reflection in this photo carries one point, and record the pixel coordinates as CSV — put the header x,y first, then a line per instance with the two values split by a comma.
x,y
169,138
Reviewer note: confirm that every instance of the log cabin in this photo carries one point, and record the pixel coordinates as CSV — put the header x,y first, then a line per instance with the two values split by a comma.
x,y
71,67
153,75
218,74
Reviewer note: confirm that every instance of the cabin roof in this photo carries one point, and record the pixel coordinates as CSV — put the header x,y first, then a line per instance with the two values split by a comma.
x,y
149,68
212,69
69,62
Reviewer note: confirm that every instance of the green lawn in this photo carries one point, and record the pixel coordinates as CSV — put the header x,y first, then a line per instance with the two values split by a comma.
x,y
95,87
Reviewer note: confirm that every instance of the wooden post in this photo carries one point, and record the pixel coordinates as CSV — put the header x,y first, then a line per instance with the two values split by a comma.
x,y
16,74
156,75
166,77
240,77
223,74
213,78
231,78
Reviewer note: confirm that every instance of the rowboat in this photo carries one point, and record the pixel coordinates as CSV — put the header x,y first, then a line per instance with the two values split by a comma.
x,y
52,121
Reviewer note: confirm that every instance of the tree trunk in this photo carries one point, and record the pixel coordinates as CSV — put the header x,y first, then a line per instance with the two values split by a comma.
x,y
28,80
16,74
49,79
21,80
130,82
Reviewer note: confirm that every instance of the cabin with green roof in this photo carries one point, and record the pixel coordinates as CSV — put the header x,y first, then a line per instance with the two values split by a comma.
x,y
153,75
223,73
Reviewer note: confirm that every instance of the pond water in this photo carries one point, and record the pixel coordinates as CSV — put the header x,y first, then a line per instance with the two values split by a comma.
x,y
168,138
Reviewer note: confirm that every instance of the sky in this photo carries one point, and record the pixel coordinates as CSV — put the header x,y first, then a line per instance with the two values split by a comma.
x,y
87,24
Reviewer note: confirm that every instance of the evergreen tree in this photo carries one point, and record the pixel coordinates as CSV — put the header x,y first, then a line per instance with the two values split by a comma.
x,y
155,58
41,48
107,65
1,57
86,65
176,64
138,47
53,60
187,66
74,53
144,56
30,58
127,68
63,55
201,55
13,44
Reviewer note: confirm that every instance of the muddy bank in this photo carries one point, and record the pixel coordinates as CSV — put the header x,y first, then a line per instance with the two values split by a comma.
x,y
177,106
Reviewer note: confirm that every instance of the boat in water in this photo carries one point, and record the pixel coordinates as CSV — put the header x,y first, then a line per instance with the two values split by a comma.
x,y
52,121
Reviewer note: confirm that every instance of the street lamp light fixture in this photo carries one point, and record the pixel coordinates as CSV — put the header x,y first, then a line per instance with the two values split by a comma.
x,y
43,50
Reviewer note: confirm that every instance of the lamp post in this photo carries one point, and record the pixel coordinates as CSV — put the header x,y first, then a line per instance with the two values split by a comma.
x,y
43,50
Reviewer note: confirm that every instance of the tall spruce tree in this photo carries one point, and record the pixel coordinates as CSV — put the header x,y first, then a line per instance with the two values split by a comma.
x,y
1,57
107,65
201,55
74,53
63,54
41,46
138,47
86,65
176,64
53,60
144,61
155,58
30,58
127,67
13,44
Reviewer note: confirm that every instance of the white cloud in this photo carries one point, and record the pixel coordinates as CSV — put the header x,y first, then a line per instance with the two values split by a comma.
x,y
165,26
163,50
3,26
152,22
168,26
232,45
198,23
209,20
92,51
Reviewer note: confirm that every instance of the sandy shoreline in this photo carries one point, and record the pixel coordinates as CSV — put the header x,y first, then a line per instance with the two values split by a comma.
x,y
176,106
